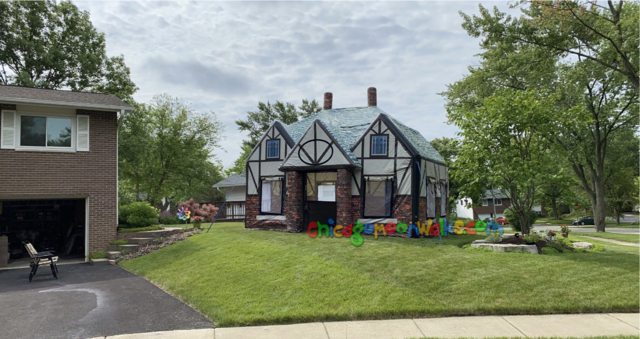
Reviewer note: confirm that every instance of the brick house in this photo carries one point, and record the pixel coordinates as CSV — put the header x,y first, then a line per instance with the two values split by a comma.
x,y
348,164
58,169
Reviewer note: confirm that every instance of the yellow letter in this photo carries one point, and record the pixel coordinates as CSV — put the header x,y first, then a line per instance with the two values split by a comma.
x,y
335,231
379,228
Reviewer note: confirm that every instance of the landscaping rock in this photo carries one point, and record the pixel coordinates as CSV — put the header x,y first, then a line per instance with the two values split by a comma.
x,y
582,244
505,247
113,254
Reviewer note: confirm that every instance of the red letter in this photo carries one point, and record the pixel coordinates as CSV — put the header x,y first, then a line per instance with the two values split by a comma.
x,y
471,227
312,226
347,232
390,228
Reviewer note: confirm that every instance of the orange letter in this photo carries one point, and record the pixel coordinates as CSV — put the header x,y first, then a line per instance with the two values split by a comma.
x,y
312,226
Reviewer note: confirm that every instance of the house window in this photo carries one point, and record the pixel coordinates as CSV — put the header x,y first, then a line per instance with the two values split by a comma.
x,y
498,202
327,192
273,149
36,131
487,202
377,197
271,200
379,145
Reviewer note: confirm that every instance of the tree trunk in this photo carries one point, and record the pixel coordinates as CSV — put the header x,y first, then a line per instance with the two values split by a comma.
x,y
554,205
525,222
600,209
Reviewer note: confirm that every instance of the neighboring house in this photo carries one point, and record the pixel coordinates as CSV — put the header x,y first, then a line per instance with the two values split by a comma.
x,y
234,188
58,169
494,202
346,164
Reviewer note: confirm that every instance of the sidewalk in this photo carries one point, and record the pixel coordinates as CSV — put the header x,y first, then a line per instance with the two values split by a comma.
x,y
569,325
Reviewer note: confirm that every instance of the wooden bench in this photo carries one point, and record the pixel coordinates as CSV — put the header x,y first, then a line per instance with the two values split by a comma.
x,y
41,259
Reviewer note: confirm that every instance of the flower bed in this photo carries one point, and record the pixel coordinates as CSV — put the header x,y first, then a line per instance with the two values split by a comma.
x,y
518,243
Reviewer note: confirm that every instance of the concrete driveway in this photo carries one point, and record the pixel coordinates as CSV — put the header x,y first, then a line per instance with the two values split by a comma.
x,y
88,301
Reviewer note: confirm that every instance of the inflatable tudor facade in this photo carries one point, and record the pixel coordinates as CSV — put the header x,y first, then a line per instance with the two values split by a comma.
x,y
346,164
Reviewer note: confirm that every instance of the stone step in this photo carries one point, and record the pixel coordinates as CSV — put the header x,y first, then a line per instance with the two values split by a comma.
x,y
112,262
129,247
154,234
98,261
113,254
140,241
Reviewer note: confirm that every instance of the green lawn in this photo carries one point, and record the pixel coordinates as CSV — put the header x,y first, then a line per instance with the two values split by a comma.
x,y
615,236
558,222
242,277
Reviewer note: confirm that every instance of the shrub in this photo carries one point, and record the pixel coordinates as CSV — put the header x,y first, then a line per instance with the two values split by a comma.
x,y
596,248
493,238
137,214
514,221
556,245
549,250
168,218
207,211
531,238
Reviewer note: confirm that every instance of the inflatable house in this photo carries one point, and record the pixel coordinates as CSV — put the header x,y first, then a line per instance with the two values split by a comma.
x,y
345,164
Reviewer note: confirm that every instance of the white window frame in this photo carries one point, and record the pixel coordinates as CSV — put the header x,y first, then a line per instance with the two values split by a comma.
x,y
485,202
18,132
266,151
386,145
496,202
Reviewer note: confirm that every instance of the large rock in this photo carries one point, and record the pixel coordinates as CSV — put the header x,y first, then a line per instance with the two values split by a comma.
x,y
582,244
505,247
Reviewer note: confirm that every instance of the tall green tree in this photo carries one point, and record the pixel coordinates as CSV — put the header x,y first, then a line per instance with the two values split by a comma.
x,y
621,173
505,145
585,52
166,150
449,148
54,45
257,123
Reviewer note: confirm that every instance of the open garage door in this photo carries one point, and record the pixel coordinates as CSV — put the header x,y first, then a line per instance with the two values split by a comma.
x,y
50,225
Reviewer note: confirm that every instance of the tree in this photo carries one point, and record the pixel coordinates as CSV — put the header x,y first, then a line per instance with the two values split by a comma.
x,y
258,122
597,85
621,177
505,145
54,45
449,149
166,148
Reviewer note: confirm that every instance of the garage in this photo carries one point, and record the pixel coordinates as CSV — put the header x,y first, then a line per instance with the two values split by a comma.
x,y
57,225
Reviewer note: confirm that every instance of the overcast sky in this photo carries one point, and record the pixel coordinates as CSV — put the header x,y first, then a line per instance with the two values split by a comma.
x,y
225,57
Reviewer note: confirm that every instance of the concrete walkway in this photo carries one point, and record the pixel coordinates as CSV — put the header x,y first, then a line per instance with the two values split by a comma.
x,y
618,242
569,325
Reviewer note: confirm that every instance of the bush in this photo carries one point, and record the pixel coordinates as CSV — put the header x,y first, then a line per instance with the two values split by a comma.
x,y
98,255
137,214
557,245
493,238
207,211
119,242
514,221
549,250
168,218
531,238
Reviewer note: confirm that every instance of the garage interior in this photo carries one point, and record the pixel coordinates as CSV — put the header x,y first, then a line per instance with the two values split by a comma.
x,y
56,225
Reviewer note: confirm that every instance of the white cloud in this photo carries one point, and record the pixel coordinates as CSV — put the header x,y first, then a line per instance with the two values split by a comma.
x,y
227,56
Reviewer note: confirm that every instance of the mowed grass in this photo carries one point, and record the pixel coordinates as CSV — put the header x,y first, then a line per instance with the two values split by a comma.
x,y
635,238
240,277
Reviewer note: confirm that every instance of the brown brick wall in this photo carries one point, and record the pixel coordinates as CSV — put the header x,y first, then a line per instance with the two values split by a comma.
x,y
423,209
356,209
92,175
402,209
343,197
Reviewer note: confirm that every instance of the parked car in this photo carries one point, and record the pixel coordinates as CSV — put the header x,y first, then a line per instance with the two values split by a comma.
x,y
584,221
502,221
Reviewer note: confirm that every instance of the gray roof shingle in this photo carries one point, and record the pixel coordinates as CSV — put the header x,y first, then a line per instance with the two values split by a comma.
x,y
232,180
62,97
348,124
